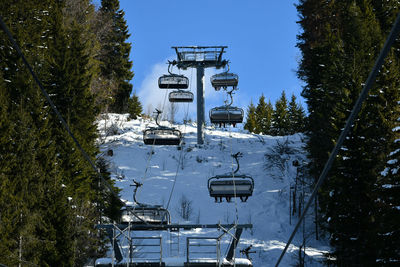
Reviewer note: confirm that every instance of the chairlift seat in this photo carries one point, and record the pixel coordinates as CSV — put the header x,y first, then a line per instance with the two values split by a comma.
x,y
162,136
173,82
229,186
224,79
180,96
145,214
226,114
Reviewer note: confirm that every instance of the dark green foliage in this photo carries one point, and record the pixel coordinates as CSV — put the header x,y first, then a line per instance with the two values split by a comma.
x,y
263,116
115,64
280,120
251,123
283,120
134,107
48,192
296,117
340,42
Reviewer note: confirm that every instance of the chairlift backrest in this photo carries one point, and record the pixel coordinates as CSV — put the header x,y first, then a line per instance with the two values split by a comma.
x,y
145,214
162,136
224,80
173,81
229,186
226,114
180,96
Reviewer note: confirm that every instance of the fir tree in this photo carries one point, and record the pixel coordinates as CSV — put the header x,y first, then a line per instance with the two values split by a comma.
x,y
134,107
296,117
280,120
251,123
263,116
115,63
336,61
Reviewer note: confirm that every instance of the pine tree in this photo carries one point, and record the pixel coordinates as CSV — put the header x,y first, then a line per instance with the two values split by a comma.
x,y
280,120
251,124
69,80
27,131
115,56
134,107
263,116
296,117
336,61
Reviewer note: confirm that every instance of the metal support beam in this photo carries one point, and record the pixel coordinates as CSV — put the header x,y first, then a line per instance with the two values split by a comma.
x,y
234,243
163,227
200,57
200,105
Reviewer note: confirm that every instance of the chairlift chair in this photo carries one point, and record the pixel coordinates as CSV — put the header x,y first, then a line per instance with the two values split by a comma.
x,y
180,96
224,80
140,213
145,214
173,81
231,185
161,135
226,115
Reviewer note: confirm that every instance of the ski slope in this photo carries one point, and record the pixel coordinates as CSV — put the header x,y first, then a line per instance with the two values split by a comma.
x,y
158,169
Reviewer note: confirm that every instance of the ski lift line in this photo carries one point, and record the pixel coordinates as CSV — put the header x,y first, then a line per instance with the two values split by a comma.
x,y
181,154
55,110
356,109
233,175
234,189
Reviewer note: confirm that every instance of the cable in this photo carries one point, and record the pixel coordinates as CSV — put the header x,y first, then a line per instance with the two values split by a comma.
x,y
356,109
181,154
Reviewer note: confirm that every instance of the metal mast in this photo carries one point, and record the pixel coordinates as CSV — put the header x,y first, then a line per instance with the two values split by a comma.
x,y
199,57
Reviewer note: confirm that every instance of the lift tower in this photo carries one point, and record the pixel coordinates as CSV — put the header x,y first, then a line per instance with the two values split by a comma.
x,y
199,57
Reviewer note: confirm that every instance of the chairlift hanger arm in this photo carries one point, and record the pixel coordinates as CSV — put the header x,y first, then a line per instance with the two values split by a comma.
x,y
236,157
136,185
157,116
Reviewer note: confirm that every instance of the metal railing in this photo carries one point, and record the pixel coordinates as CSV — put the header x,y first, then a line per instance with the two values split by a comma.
x,y
141,249
200,244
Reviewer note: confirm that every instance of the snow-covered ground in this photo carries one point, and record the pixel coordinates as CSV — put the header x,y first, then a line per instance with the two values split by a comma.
x,y
157,168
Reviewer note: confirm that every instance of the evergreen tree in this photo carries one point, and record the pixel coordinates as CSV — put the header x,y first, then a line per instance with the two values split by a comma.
x,y
296,117
251,123
134,107
115,63
263,116
29,148
69,78
280,120
387,197
337,58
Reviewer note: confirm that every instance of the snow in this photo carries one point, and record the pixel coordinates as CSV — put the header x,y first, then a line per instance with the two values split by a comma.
x,y
157,168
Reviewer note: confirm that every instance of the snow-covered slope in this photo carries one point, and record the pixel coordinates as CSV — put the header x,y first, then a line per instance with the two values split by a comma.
x,y
157,168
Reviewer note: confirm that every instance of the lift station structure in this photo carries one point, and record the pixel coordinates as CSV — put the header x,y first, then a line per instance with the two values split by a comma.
x,y
200,57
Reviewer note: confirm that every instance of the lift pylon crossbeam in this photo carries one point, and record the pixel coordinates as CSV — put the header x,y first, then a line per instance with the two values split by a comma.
x,y
195,56
199,57
163,227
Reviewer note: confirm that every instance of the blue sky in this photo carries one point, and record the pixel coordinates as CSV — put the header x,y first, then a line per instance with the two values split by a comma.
x,y
260,35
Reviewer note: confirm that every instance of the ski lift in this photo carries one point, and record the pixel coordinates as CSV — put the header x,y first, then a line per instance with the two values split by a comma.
x,y
143,213
180,96
173,81
161,135
226,114
224,80
231,185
